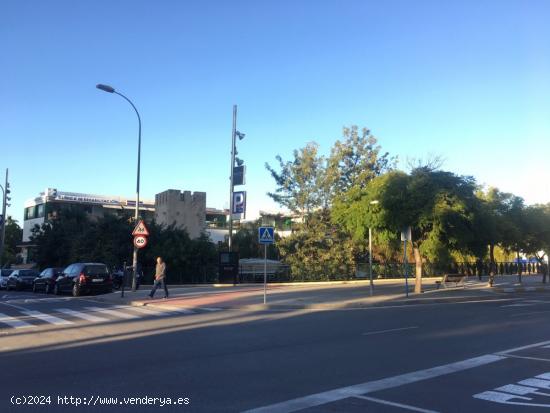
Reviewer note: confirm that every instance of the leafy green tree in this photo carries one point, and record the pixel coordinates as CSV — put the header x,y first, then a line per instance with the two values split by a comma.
x,y
56,241
310,185
74,236
299,183
246,242
439,206
356,160
13,235
320,252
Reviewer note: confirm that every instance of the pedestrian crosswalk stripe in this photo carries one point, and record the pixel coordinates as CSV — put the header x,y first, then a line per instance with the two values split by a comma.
x,y
14,322
47,317
79,314
113,313
180,310
141,310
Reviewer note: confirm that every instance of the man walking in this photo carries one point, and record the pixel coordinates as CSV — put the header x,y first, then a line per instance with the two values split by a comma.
x,y
160,278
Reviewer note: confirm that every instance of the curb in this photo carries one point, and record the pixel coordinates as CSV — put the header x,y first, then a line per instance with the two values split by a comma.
x,y
400,301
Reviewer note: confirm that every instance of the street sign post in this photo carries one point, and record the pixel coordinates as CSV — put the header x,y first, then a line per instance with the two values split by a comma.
x,y
266,235
140,241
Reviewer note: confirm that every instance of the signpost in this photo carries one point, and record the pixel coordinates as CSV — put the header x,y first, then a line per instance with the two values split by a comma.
x,y
406,236
266,235
140,234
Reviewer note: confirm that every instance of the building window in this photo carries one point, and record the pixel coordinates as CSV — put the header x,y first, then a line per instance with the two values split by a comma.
x,y
40,211
30,213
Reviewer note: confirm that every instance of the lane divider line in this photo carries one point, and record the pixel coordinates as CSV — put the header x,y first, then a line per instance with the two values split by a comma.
x,y
400,405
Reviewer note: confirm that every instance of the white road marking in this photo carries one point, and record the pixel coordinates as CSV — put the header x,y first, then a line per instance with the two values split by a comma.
x,y
113,313
370,333
374,386
518,305
545,346
515,350
79,314
506,394
142,310
527,357
176,310
14,322
402,406
48,318
210,308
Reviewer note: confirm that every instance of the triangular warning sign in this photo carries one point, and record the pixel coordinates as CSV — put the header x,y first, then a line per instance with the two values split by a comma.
x,y
140,229
266,236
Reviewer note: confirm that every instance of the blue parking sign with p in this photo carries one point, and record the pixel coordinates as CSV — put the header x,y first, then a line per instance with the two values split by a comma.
x,y
266,235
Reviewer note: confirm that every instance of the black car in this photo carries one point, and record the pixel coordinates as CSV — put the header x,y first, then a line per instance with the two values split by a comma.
x,y
4,274
21,279
46,280
84,277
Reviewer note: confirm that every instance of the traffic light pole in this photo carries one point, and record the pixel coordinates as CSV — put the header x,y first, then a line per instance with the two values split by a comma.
x,y
233,136
6,191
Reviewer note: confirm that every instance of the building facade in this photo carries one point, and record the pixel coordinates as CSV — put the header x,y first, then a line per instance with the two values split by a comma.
x,y
52,203
184,209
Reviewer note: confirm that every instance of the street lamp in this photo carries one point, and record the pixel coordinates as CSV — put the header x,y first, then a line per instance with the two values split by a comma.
x,y
375,202
109,89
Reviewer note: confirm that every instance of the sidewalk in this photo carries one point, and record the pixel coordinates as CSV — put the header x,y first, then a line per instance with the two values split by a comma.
x,y
328,295
511,284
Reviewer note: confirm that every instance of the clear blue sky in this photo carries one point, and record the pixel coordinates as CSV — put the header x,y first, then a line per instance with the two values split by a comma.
x,y
466,80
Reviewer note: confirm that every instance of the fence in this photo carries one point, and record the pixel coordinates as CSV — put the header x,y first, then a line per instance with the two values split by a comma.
x,y
252,271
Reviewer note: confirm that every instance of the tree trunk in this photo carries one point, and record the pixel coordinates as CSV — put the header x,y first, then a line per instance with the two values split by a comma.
x,y
418,262
520,269
547,272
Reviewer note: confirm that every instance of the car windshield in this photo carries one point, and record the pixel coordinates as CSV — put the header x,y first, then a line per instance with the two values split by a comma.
x,y
95,269
28,273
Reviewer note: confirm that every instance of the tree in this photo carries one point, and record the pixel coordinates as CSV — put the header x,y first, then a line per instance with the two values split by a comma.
x,y
356,160
439,207
13,235
299,182
310,185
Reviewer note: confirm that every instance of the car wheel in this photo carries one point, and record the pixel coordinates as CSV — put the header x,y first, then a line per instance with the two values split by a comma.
x,y
76,290
56,289
47,289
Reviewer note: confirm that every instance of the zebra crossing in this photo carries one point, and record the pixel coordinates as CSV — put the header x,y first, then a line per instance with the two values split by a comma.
x,y
22,318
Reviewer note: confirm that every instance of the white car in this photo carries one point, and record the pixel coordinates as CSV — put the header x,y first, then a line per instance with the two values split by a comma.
x,y
4,274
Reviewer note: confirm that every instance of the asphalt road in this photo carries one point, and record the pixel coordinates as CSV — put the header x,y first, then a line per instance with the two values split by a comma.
x,y
490,354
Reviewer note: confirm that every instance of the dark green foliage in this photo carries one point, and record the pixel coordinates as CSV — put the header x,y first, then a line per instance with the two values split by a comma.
x,y
74,237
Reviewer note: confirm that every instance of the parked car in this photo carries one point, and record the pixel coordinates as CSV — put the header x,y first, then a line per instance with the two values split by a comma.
x,y
21,279
84,277
4,274
46,280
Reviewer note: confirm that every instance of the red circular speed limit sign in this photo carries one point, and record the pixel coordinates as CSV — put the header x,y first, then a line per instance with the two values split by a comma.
x,y
140,241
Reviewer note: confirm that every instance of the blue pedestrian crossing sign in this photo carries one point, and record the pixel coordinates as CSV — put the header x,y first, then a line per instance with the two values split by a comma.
x,y
266,235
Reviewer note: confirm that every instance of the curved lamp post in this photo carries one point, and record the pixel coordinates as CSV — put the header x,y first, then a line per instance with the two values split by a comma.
x,y
109,89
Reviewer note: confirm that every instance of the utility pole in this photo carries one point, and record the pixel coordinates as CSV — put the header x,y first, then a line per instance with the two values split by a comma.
x,y
233,136
6,198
